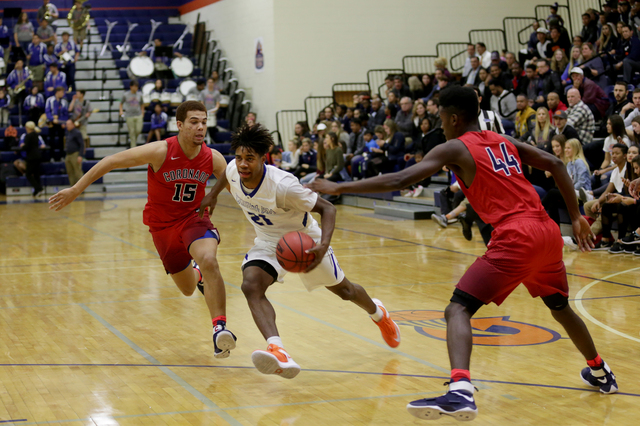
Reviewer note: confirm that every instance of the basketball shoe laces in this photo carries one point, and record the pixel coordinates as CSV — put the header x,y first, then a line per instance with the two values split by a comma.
x,y
278,352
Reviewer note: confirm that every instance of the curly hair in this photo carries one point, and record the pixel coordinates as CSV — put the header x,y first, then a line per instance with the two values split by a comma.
x,y
252,137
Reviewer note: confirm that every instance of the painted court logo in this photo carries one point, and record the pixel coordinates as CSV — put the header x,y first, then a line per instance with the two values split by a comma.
x,y
488,331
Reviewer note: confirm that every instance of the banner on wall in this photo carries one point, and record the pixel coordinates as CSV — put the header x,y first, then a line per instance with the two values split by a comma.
x,y
259,55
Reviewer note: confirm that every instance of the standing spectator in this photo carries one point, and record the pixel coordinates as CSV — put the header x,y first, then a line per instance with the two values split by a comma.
x,y
575,60
559,61
593,67
473,77
210,97
80,110
34,105
19,77
403,117
159,121
580,117
471,53
399,88
553,17
5,102
525,117
78,13
75,151
5,36
554,104
23,32
433,113
503,103
131,107
334,159
54,79
589,31
49,7
562,128
608,40
35,58
396,144
549,79
483,54
33,144
57,110
46,33
376,117
556,42
590,93
68,67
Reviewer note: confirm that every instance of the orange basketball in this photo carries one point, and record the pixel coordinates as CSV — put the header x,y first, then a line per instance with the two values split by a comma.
x,y
291,251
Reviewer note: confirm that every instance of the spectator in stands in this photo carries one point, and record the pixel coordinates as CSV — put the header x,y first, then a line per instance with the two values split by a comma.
x,y
471,53
577,42
503,102
34,105
610,10
301,130
23,32
483,54
542,45
46,33
33,145
392,99
68,67
356,144
35,58
556,42
375,161
487,120
403,117
559,61
519,79
620,94
553,17
47,7
7,170
5,102
589,31
50,58
534,88
543,131
433,113
427,82
634,107
75,150
161,63
307,161
376,116
549,79
57,110
593,67
497,60
5,36
485,78
54,79
575,60
532,49
80,110
78,16
580,117
624,10
473,77
10,136
562,128
628,49
18,80
329,114
441,64
608,40
291,156
343,137
525,117
509,59
217,83
555,104
496,74
158,127
418,114
616,135
131,107
334,159
400,89
396,144
210,97
590,93
416,87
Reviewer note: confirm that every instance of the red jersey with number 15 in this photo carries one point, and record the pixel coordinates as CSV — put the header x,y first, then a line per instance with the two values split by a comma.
x,y
176,190
499,191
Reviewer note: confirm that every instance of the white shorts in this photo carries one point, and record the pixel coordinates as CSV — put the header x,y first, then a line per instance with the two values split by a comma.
x,y
328,273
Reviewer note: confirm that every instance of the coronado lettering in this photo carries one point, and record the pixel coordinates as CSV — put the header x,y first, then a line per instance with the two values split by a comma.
x,y
186,174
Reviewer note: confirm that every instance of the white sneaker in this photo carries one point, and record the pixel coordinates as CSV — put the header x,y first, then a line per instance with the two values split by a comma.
x,y
408,194
418,191
584,195
275,360
568,241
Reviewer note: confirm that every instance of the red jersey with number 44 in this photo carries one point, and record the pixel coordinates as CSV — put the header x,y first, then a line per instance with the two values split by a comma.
x,y
499,191
176,190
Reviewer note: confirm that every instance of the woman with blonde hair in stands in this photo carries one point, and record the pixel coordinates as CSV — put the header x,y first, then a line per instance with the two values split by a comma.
x,y
575,59
543,132
559,61
441,64
416,87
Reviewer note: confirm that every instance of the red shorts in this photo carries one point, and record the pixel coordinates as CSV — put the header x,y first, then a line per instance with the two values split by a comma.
x,y
173,242
527,251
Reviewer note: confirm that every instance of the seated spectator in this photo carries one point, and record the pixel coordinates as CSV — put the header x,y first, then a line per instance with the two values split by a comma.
x,y
343,137
559,61
503,102
496,74
34,105
497,60
355,147
542,132
531,49
341,110
483,54
301,130
471,53
403,117
50,58
396,144
392,99
616,135
419,113
580,117
519,79
427,82
54,78
634,107
217,83
416,87
590,93
553,17
589,31
556,42
441,64
549,80
574,60
7,170
628,51
621,95
375,161
554,104
334,159
542,45
5,102
429,138
525,117
608,40
159,121
307,160
10,136
433,113
18,77
329,114
399,88
509,59
485,78
376,116
291,156
473,76
593,67
534,87
562,128
35,58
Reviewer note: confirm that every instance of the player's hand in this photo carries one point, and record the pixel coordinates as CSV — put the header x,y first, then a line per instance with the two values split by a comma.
x,y
634,188
324,186
583,234
319,251
63,198
209,201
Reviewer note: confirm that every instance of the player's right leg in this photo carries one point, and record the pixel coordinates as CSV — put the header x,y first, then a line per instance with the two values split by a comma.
x,y
257,277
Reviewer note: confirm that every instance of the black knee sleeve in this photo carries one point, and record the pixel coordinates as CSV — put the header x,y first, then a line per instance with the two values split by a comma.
x,y
468,301
556,302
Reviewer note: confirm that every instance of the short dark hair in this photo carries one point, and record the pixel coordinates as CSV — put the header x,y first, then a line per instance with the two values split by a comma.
x,y
435,101
84,92
636,90
621,83
471,44
133,83
496,82
477,90
368,132
622,147
185,107
53,64
627,26
587,15
357,121
252,137
397,77
481,44
545,60
532,67
59,89
461,100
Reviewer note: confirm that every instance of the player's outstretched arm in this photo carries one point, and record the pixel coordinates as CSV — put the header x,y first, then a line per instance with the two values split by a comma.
x,y
542,160
328,221
447,153
209,201
153,153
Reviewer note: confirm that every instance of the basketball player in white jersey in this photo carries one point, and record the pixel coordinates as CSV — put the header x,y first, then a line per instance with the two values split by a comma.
x,y
275,203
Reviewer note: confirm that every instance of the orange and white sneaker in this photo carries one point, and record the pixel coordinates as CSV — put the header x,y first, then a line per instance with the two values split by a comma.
x,y
389,329
275,360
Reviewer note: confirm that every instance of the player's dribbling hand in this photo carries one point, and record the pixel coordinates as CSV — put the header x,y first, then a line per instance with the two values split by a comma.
x,y
583,234
324,186
209,201
63,198
319,251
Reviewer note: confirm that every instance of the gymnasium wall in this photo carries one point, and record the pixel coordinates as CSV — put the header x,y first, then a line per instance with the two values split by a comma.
x,y
314,44
109,4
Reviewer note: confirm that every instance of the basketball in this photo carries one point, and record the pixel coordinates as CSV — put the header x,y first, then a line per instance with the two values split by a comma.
x,y
291,249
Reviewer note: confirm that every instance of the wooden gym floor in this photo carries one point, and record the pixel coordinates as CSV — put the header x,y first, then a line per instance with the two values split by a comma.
x,y
95,333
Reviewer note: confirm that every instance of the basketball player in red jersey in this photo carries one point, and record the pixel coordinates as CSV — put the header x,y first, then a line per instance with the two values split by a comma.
x,y
179,169
525,247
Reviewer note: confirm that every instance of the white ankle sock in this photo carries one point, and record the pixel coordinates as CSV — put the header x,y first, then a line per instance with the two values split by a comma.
x,y
275,340
377,315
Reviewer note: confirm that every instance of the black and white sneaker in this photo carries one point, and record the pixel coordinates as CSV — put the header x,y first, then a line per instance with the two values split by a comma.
x,y
603,245
630,239
602,378
440,219
200,283
457,403
630,249
223,341
616,248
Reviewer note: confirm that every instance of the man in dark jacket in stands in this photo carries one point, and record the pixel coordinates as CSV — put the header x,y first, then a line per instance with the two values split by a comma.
x,y
560,121
631,61
376,116
558,42
399,88
589,31
549,79
592,94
